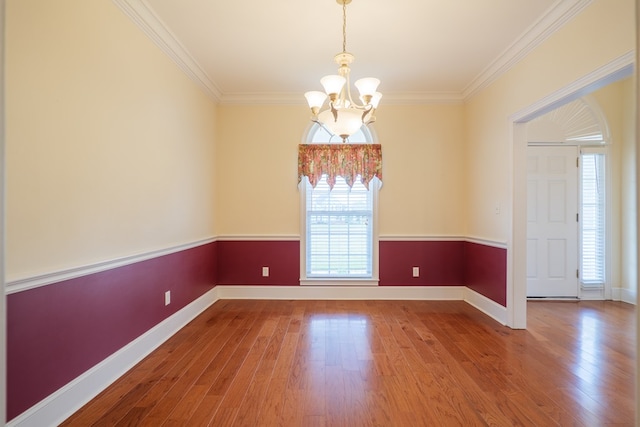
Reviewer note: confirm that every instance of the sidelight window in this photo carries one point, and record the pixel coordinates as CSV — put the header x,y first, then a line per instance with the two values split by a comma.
x,y
592,224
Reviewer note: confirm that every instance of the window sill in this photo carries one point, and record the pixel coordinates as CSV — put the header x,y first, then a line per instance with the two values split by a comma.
x,y
337,281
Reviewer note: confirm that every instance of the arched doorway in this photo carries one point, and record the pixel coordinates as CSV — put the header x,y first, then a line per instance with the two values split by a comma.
x,y
568,203
517,240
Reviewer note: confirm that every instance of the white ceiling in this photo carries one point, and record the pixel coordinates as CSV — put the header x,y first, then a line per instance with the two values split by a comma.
x,y
274,51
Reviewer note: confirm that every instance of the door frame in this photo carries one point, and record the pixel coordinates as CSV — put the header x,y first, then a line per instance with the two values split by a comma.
x,y
517,239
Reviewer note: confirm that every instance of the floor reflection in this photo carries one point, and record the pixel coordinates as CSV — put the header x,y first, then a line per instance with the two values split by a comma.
x,y
588,364
340,357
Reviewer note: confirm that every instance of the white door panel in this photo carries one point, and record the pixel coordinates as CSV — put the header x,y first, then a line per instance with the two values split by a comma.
x,y
552,228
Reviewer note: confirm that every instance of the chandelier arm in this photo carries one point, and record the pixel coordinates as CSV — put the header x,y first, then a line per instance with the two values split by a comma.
x,y
365,108
348,92
365,112
348,86
344,90
323,126
372,118
334,111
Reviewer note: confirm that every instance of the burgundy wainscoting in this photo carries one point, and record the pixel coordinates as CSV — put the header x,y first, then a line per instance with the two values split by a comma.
x,y
440,262
240,262
57,332
486,271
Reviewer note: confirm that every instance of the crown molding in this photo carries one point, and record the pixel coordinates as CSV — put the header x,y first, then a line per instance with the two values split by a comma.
x,y
263,98
296,98
558,15
143,16
423,98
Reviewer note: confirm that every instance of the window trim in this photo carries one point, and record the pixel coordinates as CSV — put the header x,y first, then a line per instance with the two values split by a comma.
x,y
374,187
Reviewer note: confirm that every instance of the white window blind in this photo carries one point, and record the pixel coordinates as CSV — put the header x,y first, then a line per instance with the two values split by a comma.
x,y
593,219
339,232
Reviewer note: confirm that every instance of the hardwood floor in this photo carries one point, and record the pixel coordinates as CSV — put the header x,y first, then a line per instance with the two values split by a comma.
x,y
386,363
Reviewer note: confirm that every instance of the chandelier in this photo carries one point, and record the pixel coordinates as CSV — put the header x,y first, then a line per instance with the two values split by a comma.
x,y
344,117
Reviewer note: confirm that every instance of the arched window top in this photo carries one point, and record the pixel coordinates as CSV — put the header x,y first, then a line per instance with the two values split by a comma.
x,y
316,134
580,122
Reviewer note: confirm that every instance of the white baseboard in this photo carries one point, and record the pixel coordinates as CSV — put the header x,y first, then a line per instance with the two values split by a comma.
x,y
616,294
58,406
624,295
342,292
588,294
486,305
480,302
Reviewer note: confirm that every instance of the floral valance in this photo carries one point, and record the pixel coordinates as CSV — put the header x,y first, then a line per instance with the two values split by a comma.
x,y
345,160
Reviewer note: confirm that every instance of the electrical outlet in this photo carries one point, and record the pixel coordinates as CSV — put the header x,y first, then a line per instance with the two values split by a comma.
x,y
416,271
265,271
167,298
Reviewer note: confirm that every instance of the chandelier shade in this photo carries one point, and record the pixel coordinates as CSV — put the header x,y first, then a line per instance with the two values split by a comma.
x,y
333,84
376,99
367,87
343,117
315,99
348,123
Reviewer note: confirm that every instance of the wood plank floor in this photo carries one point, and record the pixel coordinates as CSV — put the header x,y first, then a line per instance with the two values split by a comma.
x,y
381,363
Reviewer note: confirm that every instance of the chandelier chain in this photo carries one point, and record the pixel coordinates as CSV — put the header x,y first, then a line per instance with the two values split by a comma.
x,y
344,26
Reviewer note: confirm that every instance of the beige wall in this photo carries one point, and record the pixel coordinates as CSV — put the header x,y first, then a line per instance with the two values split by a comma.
x,y
109,145
601,33
616,103
256,169
423,171
629,184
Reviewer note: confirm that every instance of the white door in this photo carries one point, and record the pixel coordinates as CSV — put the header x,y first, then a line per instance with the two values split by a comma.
x,y
552,221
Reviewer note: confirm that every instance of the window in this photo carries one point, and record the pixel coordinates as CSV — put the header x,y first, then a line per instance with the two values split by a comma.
x,y
592,225
339,243
339,230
